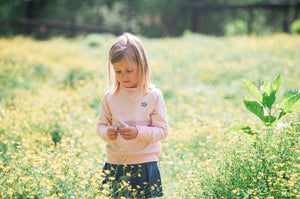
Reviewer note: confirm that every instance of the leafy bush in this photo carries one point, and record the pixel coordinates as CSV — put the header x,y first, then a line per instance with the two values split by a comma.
x,y
119,18
262,106
56,134
41,72
296,26
75,77
236,27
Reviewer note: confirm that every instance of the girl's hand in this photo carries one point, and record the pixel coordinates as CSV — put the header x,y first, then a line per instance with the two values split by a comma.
x,y
112,133
128,133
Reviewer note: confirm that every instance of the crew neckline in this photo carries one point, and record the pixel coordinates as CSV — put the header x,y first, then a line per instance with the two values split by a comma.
x,y
128,89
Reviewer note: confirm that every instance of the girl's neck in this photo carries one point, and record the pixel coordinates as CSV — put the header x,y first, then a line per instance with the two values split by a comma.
x,y
128,88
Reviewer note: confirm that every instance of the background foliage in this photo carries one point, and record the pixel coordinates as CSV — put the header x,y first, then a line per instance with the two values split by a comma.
x,y
152,18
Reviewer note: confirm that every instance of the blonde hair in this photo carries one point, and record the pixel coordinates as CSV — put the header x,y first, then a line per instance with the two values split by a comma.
x,y
129,47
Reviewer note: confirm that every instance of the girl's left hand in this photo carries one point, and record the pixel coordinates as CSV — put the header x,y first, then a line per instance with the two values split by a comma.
x,y
128,133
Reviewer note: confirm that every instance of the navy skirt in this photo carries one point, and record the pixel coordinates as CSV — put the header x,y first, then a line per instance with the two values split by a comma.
x,y
132,180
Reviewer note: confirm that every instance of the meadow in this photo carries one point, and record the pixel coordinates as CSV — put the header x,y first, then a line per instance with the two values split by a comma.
x,y
50,94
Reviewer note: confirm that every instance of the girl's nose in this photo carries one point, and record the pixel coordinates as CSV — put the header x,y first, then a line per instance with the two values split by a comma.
x,y
124,75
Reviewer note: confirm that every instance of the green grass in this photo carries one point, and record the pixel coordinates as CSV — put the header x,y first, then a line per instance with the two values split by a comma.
x,y
50,92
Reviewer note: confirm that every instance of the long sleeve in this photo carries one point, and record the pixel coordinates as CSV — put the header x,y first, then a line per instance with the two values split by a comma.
x,y
158,129
104,119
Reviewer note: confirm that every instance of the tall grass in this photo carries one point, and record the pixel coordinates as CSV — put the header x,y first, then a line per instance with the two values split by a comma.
x,y
50,95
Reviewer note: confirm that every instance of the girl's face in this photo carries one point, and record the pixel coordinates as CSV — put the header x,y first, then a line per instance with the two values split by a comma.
x,y
127,73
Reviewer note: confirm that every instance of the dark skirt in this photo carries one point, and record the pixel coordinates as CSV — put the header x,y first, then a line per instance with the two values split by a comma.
x,y
133,180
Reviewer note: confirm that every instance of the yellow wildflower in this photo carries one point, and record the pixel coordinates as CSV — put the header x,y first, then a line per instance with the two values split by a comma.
x,y
106,186
111,178
10,191
32,193
107,171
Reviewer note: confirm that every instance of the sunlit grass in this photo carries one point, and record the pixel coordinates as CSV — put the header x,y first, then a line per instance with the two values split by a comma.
x,y
50,95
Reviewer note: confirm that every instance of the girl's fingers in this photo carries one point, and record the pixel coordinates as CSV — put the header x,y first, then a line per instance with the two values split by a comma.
x,y
113,130
124,130
125,133
128,133
112,133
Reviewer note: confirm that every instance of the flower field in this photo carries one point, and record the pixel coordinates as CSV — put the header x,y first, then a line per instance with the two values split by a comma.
x,y
50,94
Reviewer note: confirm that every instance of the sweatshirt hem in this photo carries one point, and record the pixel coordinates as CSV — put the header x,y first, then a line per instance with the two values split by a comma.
x,y
131,159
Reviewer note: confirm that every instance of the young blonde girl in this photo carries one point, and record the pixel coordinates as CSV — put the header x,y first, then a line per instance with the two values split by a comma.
x,y
132,122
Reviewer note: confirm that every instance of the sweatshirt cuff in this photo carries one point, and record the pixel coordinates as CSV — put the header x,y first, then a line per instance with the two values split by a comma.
x,y
142,133
103,133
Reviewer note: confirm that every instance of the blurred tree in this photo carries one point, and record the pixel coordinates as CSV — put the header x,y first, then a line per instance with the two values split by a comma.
x,y
119,17
152,18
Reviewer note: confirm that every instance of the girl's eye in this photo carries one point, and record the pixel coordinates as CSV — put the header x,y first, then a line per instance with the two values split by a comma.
x,y
118,72
129,71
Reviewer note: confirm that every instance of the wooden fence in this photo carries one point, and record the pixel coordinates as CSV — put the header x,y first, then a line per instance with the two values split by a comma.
x,y
44,25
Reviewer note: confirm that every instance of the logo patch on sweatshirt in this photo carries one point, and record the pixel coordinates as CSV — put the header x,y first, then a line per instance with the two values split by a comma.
x,y
143,104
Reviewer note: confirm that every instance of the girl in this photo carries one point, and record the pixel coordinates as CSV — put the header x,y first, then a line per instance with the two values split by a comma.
x,y
132,121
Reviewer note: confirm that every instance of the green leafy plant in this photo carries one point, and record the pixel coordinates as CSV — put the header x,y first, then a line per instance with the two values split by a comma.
x,y
75,77
262,103
236,27
56,134
296,26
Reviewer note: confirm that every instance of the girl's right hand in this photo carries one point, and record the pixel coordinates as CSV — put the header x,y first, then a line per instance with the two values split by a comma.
x,y
112,133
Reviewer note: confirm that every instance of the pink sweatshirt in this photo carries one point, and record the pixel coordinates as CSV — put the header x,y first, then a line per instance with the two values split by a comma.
x,y
128,108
